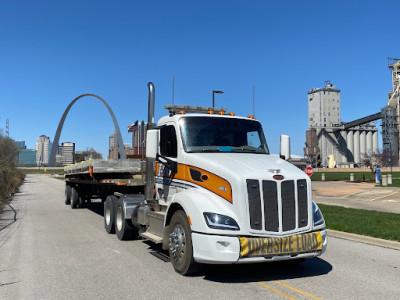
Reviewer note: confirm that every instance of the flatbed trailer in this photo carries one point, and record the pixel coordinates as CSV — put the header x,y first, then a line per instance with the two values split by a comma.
x,y
97,178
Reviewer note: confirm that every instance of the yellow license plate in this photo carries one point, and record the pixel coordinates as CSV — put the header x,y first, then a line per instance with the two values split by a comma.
x,y
299,243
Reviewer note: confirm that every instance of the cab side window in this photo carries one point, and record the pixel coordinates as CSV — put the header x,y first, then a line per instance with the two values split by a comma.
x,y
168,142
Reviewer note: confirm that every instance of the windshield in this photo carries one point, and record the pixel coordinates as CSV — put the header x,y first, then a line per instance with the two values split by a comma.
x,y
208,134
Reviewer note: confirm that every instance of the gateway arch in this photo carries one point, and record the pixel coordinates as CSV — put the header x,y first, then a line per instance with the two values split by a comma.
x,y
52,158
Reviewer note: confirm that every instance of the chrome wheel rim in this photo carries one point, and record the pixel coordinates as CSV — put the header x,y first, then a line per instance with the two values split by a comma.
x,y
119,218
177,243
108,215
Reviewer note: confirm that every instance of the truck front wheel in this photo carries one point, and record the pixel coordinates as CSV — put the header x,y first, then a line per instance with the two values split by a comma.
x,y
180,245
109,213
124,227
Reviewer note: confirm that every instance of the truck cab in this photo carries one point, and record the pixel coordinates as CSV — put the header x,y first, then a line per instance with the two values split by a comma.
x,y
224,197
209,192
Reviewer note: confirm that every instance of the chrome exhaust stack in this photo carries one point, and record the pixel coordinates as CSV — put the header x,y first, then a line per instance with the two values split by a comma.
x,y
149,187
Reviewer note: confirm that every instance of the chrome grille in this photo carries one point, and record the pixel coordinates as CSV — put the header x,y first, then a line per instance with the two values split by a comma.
x,y
263,204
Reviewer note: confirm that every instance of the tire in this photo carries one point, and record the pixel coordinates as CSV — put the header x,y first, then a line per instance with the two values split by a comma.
x,y
68,192
180,245
109,213
124,227
82,201
74,198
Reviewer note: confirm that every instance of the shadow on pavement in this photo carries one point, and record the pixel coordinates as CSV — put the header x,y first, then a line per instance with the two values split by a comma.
x,y
96,207
242,273
266,271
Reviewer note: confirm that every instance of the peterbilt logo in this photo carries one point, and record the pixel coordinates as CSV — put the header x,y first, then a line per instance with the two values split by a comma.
x,y
275,171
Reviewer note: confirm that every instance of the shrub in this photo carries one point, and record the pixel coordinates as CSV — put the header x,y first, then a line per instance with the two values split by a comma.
x,y
10,177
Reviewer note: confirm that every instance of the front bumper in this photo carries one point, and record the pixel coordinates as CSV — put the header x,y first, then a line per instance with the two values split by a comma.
x,y
217,249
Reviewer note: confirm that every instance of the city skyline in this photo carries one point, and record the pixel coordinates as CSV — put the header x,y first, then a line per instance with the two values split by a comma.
x,y
53,53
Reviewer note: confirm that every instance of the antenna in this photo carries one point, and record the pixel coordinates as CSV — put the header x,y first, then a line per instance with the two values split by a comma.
x,y
7,128
254,106
173,86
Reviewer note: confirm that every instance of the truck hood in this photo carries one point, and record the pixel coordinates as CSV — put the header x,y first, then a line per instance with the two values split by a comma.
x,y
239,166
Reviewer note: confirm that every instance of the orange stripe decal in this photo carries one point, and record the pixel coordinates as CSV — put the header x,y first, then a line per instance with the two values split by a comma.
x,y
214,183
203,178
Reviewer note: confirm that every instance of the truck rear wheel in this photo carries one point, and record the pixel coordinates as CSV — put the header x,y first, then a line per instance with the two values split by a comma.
x,y
180,245
109,213
68,194
74,198
124,227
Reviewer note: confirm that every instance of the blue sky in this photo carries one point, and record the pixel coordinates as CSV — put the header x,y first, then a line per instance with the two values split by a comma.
x,y
54,51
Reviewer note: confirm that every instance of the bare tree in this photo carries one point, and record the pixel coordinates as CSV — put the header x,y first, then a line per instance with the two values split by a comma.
x,y
373,161
85,155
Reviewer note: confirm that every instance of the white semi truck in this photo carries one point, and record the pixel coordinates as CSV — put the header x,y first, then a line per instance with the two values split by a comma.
x,y
209,191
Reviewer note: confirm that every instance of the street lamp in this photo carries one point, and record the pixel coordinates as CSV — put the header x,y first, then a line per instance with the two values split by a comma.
x,y
216,92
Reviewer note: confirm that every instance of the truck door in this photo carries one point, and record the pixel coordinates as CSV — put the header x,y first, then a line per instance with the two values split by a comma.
x,y
165,187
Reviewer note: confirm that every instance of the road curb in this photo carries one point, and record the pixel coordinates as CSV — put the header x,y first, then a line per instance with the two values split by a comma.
x,y
364,239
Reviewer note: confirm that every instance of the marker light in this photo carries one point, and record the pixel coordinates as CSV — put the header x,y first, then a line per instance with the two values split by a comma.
x,y
231,113
211,112
251,117
221,112
182,112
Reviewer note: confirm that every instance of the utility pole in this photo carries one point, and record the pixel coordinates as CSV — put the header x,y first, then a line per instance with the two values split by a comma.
x,y
7,128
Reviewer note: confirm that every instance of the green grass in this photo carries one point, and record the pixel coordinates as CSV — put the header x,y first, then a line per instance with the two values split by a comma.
x,y
364,222
367,176
42,171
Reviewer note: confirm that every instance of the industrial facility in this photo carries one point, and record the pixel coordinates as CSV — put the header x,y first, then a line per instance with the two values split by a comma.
x,y
333,143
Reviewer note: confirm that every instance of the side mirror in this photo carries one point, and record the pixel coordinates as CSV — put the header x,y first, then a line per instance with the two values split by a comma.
x,y
285,147
152,142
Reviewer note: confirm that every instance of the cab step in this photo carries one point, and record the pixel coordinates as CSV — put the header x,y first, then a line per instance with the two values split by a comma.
x,y
155,231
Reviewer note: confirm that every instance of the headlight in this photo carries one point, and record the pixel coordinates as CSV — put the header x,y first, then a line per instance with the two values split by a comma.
x,y
217,221
318,218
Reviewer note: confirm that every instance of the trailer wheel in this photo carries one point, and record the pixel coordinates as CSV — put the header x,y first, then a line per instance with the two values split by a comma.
x,y
124,227
74,198
67,194
82,201
180,245
109,213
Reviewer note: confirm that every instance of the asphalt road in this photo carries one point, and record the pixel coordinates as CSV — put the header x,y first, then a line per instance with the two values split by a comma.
x,y
54,252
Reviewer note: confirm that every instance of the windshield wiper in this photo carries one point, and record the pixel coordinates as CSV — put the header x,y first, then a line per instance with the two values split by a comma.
x,y
210,150
244,149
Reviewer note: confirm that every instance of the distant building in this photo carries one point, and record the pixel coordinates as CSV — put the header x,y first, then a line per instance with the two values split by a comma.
x,y
325,139
59,160
113,140
324,106
68,151
42,148
113,150
20,144
26,157
138,137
